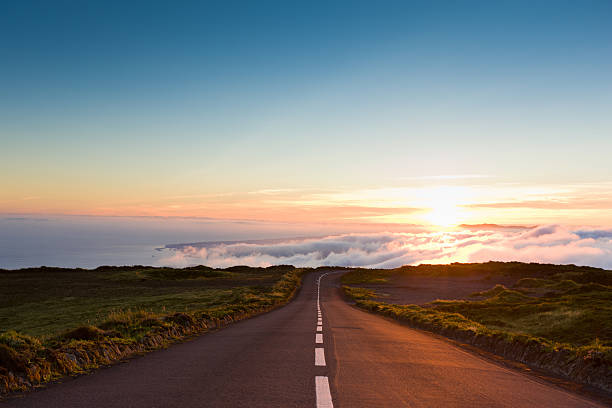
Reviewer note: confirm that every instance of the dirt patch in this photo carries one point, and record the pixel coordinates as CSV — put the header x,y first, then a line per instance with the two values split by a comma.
x,y
419,290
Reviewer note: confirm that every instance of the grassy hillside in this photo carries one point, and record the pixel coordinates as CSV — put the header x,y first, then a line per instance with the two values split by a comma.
x,y
556,303
579,314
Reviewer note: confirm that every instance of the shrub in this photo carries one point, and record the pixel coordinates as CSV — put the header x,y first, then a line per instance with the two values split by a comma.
x,y
84,333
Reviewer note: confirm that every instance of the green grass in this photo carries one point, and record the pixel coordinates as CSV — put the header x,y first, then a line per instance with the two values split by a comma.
x,y
579,317
50,315
45,301
359,293
546,307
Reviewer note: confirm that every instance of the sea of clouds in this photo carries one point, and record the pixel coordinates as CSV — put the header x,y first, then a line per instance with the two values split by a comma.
x,y
543,244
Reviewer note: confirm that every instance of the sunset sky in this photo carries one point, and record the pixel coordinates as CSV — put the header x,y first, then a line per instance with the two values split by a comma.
x,y
351,112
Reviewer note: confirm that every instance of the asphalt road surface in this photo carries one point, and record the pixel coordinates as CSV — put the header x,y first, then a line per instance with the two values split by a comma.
x,y
306,355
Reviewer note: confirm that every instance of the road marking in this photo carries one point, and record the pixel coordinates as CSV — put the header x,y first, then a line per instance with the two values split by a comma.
x,y
319,356
324,399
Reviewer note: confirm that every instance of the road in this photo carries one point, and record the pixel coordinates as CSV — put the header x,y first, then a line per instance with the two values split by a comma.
x,y
285,359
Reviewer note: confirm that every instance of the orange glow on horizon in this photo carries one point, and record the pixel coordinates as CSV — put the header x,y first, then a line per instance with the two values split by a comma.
x,y
441,205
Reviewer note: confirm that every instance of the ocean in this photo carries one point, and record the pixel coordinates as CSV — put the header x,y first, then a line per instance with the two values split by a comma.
x,y
91,241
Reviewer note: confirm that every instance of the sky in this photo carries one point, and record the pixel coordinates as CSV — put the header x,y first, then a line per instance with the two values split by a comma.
x,y
394,113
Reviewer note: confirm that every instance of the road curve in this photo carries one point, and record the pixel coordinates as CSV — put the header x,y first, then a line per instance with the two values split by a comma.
x,y
309,353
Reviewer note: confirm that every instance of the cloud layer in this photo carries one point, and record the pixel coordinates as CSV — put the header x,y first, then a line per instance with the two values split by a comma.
x,y
545,244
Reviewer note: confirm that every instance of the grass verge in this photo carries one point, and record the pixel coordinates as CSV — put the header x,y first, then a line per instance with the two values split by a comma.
x,y
560,320
65,322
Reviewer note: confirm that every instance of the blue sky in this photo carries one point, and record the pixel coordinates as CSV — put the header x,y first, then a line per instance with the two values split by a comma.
x,y
112,107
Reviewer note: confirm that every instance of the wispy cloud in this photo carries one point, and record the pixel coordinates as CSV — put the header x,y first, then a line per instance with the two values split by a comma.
x,y
552,204
551,243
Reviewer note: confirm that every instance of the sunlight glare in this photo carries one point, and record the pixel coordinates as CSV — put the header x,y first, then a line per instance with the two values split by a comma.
x,y
443,215
444,206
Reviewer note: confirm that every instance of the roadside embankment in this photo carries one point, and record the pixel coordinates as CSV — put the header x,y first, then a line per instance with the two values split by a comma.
x,y
590,367
557,318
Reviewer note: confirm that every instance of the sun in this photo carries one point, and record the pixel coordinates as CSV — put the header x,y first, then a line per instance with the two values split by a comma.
x,y
443,215
443,206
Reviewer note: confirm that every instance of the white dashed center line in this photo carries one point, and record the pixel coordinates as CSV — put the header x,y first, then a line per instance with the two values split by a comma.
x,y
319,356
324,399
323,394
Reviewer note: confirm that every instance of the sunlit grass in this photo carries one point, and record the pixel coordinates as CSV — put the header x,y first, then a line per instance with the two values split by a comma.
x,y
546,305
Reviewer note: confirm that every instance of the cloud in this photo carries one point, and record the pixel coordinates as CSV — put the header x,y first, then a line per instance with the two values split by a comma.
x,y
577,203
24,219
547,244
540,231
595,234
448,177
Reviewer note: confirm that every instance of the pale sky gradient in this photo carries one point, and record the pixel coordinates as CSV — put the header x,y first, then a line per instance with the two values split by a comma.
x,y
394,112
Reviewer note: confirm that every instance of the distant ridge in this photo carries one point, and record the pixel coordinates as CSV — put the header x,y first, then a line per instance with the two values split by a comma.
x,y
209,244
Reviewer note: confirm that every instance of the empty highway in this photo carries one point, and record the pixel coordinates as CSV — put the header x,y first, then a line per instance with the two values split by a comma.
x,y
317,351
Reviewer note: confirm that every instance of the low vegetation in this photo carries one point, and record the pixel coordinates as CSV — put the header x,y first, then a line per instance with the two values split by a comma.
x,y
56,322
581,274
361,276
557,308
